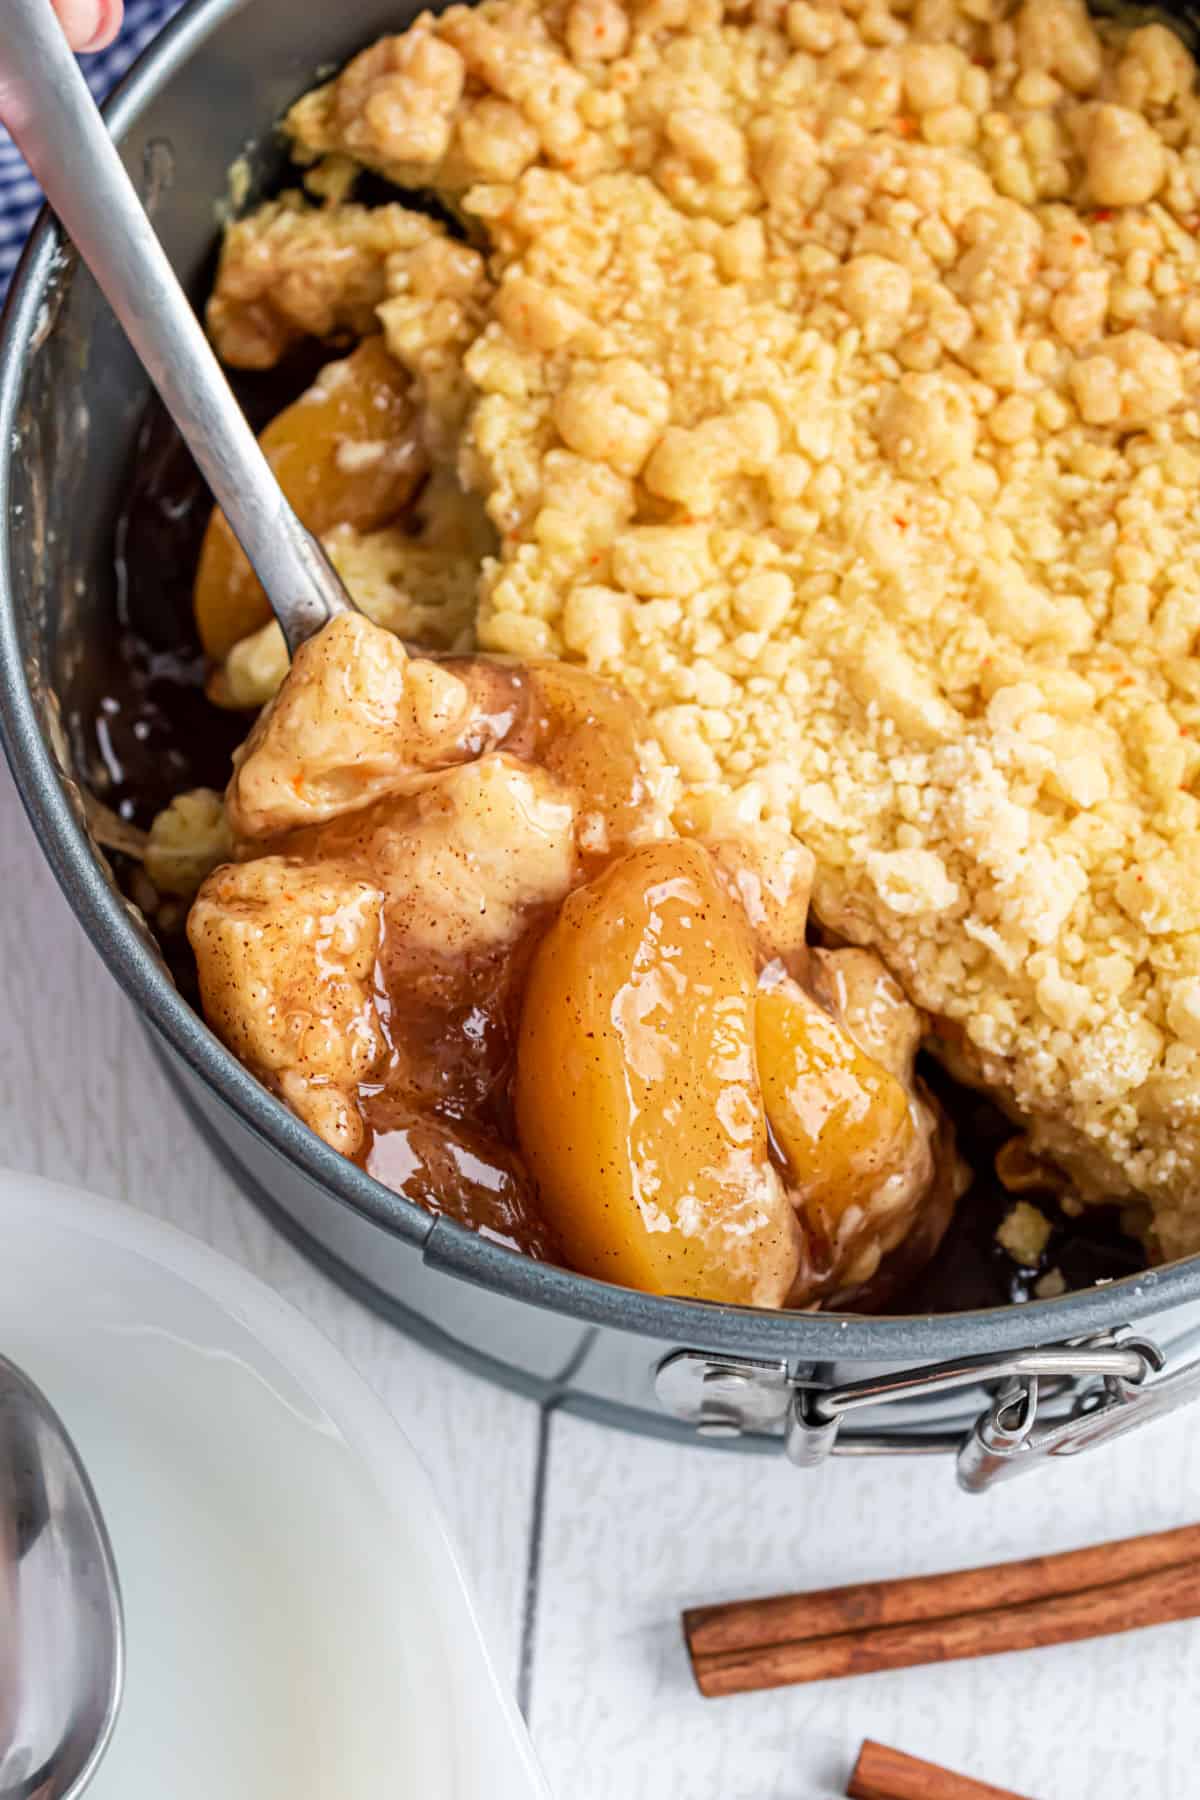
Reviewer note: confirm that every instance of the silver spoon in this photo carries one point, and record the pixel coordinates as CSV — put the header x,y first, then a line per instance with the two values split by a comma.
x,y
46,105
62,1641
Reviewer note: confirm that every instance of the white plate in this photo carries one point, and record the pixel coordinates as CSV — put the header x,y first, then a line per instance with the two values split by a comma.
x,y
298,1626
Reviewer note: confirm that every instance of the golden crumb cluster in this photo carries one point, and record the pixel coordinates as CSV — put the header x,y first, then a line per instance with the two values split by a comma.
x,y
832,379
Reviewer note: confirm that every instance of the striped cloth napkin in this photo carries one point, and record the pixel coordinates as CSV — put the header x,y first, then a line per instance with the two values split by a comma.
x,y
19,195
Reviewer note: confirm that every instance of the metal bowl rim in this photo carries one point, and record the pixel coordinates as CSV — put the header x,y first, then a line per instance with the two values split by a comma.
x,y
816,1336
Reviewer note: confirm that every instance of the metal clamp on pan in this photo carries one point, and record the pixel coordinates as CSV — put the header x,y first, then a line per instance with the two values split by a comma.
x,y
1054,1400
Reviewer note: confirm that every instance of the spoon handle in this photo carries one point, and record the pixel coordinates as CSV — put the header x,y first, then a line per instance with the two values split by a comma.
x,y
50,113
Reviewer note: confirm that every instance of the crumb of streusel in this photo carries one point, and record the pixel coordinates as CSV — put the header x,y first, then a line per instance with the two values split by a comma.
x,y
1024,1232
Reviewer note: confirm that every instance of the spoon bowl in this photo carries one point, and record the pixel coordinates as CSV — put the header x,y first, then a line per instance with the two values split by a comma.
x,y
62,1657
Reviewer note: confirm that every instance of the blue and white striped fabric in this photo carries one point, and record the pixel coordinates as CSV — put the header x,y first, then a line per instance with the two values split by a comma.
x,y
19,195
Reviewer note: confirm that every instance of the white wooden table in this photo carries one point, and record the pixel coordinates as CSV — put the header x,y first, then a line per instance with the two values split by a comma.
x,y
584,1543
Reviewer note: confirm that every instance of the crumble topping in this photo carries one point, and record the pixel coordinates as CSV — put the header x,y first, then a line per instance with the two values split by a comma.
x,y
832,382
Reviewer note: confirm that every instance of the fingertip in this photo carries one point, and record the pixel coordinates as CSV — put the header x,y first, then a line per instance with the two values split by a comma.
x,y
107,26
89,25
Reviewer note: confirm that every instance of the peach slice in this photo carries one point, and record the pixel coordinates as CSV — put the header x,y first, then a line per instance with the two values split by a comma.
x,y
841,1121
344,454
637,1101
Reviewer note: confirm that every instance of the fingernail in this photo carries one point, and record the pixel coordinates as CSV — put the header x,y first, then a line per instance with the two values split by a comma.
x,y
92,25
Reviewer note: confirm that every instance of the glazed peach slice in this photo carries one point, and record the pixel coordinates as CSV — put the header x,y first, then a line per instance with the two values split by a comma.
x,y
840,1119
637,1101
344,453
868,1164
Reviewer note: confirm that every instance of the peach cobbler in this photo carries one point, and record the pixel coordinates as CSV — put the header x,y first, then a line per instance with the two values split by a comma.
x,y
763,440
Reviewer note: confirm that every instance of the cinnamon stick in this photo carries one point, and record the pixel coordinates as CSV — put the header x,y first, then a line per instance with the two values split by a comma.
x,y
1159,1597
885,1774
745,1624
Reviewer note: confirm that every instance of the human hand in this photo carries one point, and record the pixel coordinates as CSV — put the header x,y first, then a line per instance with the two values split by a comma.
x,y
89,24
